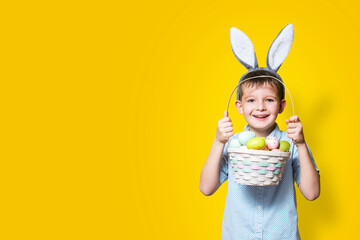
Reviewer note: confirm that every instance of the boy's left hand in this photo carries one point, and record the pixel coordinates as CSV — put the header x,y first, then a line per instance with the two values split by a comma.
x,y
295,130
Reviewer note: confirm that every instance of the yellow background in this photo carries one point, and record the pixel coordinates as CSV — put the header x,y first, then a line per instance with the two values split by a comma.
x,y
109,109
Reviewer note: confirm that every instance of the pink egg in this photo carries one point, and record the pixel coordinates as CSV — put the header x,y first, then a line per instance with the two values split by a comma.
x,y
272,143
277,150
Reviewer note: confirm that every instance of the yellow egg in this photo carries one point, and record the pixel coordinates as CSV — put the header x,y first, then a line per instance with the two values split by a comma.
x,y
257,143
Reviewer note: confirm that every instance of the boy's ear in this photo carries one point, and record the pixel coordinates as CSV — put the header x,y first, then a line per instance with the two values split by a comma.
x,y
239,106
282,105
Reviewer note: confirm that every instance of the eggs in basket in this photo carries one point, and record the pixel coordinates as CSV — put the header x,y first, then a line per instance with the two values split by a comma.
x,y
258,161
249,140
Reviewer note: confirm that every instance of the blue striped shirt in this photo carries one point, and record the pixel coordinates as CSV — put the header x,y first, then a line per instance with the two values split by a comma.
x,y
268,212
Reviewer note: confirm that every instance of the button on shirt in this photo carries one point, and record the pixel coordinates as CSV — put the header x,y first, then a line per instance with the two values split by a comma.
x,y
268,212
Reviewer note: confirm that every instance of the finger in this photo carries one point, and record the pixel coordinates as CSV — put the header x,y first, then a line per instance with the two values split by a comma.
x,y
228,135
287,121
291,131
226,113
293,125
224,120
227,119
294,119
291,136
227,124
228,129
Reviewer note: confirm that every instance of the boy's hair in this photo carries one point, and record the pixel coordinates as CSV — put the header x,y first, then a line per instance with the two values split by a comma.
x,y
260,82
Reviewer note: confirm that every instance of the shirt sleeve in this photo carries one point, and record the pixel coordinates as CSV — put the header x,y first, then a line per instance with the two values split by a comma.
x,y
223,171
296,163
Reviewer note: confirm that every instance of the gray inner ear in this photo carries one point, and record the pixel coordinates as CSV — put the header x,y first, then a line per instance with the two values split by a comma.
x,y
243,48
280,48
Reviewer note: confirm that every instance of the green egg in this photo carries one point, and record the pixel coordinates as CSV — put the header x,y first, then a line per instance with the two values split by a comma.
x,y
284,145
257,143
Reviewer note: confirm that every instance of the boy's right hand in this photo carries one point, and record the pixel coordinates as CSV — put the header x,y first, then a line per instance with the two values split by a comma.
x,y
224,129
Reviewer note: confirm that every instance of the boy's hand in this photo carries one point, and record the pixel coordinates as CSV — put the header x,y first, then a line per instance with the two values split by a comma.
x,y
295,130
224,129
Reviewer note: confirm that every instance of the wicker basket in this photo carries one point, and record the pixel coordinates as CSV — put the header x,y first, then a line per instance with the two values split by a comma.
x,y
257,167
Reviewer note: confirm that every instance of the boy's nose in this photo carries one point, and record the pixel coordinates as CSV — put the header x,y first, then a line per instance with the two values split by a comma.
x,y
260,106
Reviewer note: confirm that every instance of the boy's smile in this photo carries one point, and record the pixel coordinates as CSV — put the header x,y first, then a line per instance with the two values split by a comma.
x,y
260,107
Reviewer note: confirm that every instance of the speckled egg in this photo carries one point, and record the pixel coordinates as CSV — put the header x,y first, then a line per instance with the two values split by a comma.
x,y
245,136
277,150
272,143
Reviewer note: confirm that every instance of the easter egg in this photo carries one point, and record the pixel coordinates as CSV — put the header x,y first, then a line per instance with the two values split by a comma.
x,y
245,136
234,143
284,145
277,150
272,143
257,143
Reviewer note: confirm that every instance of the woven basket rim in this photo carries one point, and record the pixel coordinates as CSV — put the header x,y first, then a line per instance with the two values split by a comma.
x,y
259,152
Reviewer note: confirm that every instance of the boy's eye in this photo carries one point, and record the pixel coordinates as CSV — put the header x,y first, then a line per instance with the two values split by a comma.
x,y
251,100
270,100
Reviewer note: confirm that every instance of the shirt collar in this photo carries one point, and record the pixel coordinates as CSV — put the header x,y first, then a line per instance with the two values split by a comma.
x,y
275,133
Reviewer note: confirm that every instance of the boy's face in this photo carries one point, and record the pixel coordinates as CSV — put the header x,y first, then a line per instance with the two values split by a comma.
x,y
260,107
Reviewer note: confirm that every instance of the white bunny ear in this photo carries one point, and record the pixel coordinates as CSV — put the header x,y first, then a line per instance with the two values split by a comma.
x,y
243,48
280,48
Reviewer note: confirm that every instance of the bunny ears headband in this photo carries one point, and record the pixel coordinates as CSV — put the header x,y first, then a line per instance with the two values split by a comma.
x,y
278,51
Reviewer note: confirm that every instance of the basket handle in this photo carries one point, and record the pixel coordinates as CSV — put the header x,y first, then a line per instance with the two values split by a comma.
x,y
292,103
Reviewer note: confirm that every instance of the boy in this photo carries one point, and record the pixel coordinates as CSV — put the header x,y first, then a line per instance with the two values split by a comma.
x,y
268,212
